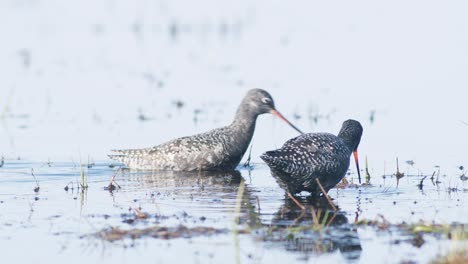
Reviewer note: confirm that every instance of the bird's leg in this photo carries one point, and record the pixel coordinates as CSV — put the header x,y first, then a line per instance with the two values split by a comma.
x,y
325,194
247,162
296,201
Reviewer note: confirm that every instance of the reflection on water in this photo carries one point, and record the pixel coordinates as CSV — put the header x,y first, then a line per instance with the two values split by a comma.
x,y
207,195
290,214
208,200
220,180
315,230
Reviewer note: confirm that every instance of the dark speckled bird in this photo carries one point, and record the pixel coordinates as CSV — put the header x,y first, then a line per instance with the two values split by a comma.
x,y
218,149
323,156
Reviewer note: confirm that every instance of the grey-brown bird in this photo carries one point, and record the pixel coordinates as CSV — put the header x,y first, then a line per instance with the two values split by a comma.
x,y
218,149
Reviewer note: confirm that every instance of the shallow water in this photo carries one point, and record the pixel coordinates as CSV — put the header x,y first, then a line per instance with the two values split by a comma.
x,y
62,224
81,78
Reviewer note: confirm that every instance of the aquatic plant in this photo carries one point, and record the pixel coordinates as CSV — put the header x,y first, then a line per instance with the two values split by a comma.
x,y
83,177
36,189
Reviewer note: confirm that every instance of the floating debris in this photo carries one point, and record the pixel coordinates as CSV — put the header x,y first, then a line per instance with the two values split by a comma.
x,y
179,104
372,117
66,188
296,115
142,116
463,177
90,164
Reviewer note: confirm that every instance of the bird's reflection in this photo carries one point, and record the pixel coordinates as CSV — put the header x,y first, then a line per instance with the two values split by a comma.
x,y
317,229
318,210
179,179
322,226
208,195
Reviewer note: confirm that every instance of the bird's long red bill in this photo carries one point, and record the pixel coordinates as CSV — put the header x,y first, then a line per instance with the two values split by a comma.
x,y
280,116
355,154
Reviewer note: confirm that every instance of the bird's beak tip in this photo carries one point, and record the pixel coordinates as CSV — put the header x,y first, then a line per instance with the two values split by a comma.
x,y
356,159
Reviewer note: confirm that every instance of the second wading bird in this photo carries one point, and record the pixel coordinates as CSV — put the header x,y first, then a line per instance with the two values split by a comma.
x,y
302,160
218,149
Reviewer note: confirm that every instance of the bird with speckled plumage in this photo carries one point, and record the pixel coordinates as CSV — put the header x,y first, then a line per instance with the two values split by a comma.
x,y
218,149
323,156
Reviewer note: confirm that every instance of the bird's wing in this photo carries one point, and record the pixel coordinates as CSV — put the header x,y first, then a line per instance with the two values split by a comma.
x,y
185,153
304,154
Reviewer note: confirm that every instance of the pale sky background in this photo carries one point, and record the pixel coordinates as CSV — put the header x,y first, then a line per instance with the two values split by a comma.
x,y
75,74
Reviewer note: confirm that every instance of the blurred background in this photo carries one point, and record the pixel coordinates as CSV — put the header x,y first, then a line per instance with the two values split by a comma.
x,y
79,78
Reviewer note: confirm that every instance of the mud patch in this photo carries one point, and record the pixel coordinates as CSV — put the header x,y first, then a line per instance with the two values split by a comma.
x,y
114,233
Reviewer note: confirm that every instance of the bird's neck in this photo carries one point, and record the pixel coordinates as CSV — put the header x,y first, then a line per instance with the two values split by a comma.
x,y
348,140
243,127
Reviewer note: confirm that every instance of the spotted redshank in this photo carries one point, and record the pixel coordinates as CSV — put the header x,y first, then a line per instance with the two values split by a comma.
x,y
218,149
302,160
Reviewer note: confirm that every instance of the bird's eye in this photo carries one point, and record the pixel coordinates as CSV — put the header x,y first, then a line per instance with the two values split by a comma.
x,y
266,100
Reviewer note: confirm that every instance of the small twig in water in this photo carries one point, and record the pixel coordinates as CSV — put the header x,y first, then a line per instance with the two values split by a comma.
x,y
367,173
398,174
247,162
84,179
356,217
138,213
258,203
66,188
463,177
432,178
90,164
437,177
37,182
325,194
420,185
111,187
384,166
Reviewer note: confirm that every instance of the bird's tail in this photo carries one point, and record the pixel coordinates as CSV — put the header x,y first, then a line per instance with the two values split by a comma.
x,y
127,156
273,160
